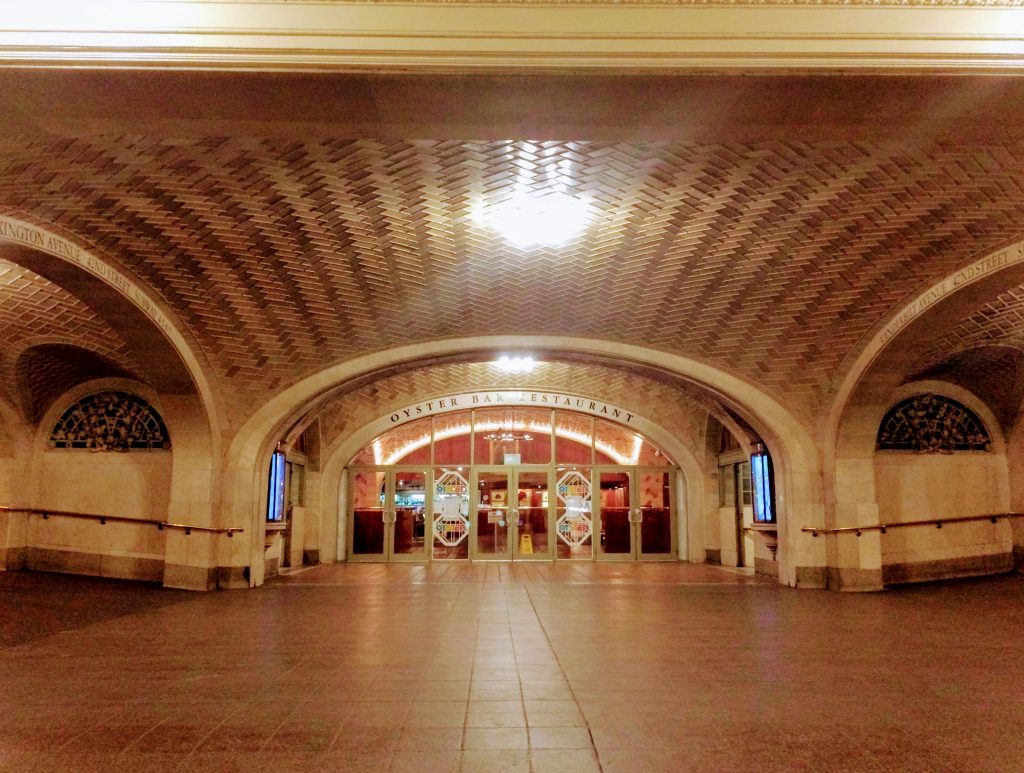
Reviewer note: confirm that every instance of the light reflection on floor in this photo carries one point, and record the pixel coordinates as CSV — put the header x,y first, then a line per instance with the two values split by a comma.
x,y
620,668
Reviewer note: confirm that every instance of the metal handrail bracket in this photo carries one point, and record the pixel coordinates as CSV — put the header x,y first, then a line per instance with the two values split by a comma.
x,y
884,527
103,519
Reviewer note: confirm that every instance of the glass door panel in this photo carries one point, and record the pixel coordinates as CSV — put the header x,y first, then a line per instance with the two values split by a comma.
x,y
654,512
533,514
491,527
368,514
408,514
450,522
614,514
574,527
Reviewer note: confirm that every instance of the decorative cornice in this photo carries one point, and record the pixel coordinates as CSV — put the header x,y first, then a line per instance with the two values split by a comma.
x,y
954,35
678,3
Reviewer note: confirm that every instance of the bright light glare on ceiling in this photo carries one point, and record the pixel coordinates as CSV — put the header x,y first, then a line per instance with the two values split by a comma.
x,y
515,364
538,220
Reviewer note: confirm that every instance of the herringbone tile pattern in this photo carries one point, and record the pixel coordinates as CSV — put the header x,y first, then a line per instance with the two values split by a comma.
x,y
38,322
667,405
770,259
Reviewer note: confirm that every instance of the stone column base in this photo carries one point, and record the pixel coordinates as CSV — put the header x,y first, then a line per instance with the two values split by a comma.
x,y
811,577
851,579
186,577
950,568
12,559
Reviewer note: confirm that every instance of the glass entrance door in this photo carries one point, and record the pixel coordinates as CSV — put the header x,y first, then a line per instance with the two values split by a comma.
x,y
634,514
368,521
388,509
615,515
407,535
532,515
491,528
512,514
652,514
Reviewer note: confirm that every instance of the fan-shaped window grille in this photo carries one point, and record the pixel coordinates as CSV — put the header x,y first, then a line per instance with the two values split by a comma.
x,y
110,421
932,424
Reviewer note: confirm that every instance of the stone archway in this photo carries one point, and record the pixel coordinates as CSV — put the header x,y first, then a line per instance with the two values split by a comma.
x,y
802,562
678,444
167,359
873,380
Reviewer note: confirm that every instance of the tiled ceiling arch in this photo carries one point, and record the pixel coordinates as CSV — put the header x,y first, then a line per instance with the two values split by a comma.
x,y
672,407
983,353
999,322
768,259
993,373
46,371
50,340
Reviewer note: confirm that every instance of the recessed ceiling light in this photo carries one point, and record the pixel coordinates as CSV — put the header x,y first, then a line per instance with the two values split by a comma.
x,y
515,364
538,219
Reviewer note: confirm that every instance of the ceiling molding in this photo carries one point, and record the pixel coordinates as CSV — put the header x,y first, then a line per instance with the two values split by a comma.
x,y
953,35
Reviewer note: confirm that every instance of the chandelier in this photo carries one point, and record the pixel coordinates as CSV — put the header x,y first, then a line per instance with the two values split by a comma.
x,y
507,437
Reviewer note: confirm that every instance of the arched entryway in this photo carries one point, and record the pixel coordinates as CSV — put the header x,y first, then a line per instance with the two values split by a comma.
x,y
500,482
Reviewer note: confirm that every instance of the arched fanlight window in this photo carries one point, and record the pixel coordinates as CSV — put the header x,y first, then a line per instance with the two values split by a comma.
x,y
932,424
110,421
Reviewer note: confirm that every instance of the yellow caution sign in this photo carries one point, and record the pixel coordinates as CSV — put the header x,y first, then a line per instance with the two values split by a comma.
x,y
525,545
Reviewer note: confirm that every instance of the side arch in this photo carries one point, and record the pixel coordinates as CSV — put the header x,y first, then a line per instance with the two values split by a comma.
x,y
87,275
168,360
977,280
869,384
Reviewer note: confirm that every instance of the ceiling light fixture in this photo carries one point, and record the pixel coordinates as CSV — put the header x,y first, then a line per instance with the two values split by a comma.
x,y
530,219
515,364
507,437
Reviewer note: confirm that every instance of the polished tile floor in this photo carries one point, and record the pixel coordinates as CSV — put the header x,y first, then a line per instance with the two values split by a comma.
x,y
503,667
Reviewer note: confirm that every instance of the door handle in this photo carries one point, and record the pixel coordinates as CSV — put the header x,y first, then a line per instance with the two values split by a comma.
x,y
639,515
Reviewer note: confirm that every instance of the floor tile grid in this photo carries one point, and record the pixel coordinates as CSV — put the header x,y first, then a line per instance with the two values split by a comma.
x,y
560,735
667,677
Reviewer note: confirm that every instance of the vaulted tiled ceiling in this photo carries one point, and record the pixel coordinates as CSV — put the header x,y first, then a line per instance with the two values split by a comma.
x,y
678,406
51,340
771,259
982,352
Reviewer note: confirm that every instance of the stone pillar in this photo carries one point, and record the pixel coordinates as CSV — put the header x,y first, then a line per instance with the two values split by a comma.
x,y
857,562
15,488
13,540
240,558
190,559
312,548
802,558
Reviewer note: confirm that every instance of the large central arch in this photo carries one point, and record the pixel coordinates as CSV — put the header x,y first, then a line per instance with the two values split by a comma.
x,y
798,469
689,494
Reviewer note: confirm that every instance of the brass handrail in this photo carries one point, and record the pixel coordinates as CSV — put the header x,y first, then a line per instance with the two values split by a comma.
x,y
884,527
103,519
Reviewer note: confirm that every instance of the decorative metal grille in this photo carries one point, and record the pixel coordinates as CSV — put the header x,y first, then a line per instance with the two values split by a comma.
x,y
110,421
574,527
450,525
932,424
